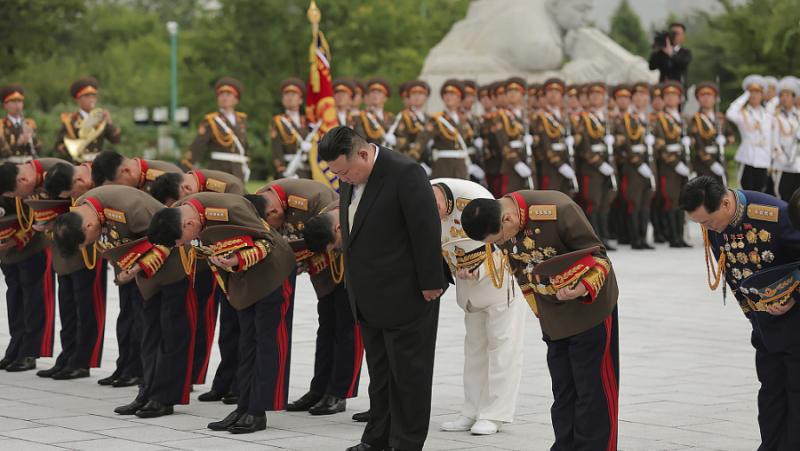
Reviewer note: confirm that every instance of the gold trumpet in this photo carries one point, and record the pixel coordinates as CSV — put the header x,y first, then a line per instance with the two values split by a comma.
x,y
91,128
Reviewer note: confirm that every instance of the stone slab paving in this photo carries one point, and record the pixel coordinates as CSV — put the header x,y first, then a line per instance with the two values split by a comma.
x,y
687,382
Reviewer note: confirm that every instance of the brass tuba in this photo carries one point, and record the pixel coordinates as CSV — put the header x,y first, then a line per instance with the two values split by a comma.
x,y
92,127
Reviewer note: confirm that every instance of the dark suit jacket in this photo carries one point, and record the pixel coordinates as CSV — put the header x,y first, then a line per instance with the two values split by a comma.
x,y
394,250
673,67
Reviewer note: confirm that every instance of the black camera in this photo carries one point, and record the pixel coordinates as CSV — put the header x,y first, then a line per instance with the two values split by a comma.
x,y
660,39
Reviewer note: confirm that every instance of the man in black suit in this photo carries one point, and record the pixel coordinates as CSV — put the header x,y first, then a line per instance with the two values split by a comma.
x,y
669,57
394,275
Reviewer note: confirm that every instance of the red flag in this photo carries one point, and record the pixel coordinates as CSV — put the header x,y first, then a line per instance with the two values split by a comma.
x,y
319,102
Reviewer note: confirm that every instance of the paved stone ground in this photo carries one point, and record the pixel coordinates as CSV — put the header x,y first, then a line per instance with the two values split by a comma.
x,y
687,382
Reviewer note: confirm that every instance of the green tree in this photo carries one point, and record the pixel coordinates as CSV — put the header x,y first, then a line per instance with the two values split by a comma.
x,y
627,31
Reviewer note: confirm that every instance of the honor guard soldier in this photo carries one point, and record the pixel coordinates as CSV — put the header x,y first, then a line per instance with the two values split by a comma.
x,y
468,104
748,235
514,139
84,132
710,133
595,163
411,121
637,180
556,141
476,172
495,322
672,153
573,104
221,140
111,168
287,207
491,157
115,219
343,92
19,142
373,122
532,104
786,138
574,295
359,94
449,131
289,133
256,267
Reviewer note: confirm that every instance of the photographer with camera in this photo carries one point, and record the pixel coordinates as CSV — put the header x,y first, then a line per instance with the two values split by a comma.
x,y
669,57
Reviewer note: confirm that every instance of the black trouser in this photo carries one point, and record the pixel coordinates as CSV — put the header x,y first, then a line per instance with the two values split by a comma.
x,y
30,302
129,331
790,182
82,310
400,362
340,350
754,179
205,287
168,344
584,370
229,331
265,351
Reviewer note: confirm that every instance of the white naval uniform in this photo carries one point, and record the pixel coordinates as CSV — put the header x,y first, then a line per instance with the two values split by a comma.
x,y
786,151
494,319
755,128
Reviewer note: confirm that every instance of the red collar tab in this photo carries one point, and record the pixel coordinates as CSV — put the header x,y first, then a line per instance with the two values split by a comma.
x,y
201,180
143,167
522,209
199,208
98,207
281,194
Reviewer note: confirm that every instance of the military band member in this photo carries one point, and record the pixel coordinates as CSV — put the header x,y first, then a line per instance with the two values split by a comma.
x,y
671,150
373,122
595,162
111,168
785,137
343,95
495,323
514,139
555,141
747,233
115,219
288,131
221,141
257,269
18,139
287,207
450,132
412,121
569,283
748,113
75,126
710,133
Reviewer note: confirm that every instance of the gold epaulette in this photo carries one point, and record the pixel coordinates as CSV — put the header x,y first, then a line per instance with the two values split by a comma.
x,y
217,186
543,212
300,203
759,212
115,215
216,214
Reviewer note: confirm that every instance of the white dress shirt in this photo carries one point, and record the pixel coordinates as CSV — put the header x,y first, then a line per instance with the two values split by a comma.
x,y
358,191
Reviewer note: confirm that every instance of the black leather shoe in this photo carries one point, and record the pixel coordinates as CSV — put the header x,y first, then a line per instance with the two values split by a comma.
x,y
126,381
248,423
154,409
226,423
108,380
364,447
361,417
328,405
50,372
130,409
210,396
22,364
5,362
230,399
305,402
71,373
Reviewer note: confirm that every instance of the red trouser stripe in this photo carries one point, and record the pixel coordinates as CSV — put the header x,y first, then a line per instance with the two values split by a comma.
x,y
624,185
503,185
210,327
46,348
545,183
99,304
282,338
610,386
358,356
663,184
588,203
191,313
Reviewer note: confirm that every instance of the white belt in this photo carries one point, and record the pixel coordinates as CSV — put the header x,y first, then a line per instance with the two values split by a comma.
x,y
599,148
711,149
232,157
638,148
19,159
558,147
289,157
437,154
516,144
674,148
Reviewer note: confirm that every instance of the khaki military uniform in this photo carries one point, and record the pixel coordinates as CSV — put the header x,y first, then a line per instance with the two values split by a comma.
x,y
70,126
218,182
492,155
151,170
670,153
637,179
596,189
218,148
411,124
286,136
702,128
509,131
551,130
373,126
449,156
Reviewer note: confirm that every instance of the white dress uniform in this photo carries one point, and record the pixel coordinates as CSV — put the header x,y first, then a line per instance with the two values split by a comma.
x,y
494,318
786,149
754,154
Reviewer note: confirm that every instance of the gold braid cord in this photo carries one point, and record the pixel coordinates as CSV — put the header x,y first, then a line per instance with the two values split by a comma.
x,y
374,133
497,277
86,262
507,125
713,284
553,131
633,135
337,267
671,132
25,219
286,138
188,260
226,140
704,132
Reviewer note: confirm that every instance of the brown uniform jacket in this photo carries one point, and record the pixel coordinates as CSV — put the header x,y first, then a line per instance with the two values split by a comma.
x,y
371,127
551,131
552,224
409,127
702,128
444,139
218,182
285,143
71,124
668,133
151,170
212,138
510,132
592,150
10,147
629,143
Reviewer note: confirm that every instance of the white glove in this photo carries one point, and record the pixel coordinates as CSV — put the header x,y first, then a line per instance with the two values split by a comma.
x,y
305,146
528,140
390,139
717,168
645,170
721,140
649,139
287,176
682,169
567,171
606,169
427,168
686,141
478,143
523,170
569,141
476,171
609,140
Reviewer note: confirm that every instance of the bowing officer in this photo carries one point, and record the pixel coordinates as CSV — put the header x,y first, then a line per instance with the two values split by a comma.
x,y
111,168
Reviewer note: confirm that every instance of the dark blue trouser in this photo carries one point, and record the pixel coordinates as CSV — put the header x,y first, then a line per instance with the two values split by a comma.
x,y
129,331
82,310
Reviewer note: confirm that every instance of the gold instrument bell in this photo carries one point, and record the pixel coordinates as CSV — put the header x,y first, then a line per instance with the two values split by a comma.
x,y
91,128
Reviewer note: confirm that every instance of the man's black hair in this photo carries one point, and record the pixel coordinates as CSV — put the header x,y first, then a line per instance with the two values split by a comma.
x,y
794,209
167,186
677,24
8,177
68,234
318,233
703,191
165,227
481,218
259,202
105,166
338,141
58,179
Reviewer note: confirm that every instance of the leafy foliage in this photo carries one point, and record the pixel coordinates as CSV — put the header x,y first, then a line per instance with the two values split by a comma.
x,y
626,30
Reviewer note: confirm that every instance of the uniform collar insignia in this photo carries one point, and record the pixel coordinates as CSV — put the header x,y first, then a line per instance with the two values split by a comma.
x,y
741,203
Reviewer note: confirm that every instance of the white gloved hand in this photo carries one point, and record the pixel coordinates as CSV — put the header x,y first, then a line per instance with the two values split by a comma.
x,y
478,143
528,140
649,139
569,141
645,170
718,169
476,171
682,169
427,168
390,139
686,141
305,146
606,169
567,171
721,140
523,170
609,140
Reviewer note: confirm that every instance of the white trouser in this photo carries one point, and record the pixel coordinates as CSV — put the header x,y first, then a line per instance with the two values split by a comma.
x,y
493,361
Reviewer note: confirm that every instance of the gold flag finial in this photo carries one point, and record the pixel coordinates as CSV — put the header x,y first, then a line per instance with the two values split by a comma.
x,y
314,14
